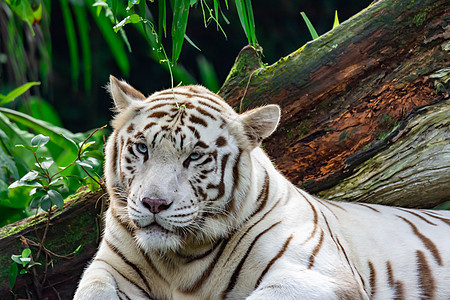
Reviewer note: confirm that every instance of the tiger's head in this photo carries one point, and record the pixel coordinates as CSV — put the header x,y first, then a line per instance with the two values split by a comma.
x,y
178,166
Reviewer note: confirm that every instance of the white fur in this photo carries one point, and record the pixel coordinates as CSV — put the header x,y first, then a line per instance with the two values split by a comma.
x,y
315,263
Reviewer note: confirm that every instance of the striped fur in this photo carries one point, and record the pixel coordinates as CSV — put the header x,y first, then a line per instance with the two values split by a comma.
x,y
232,227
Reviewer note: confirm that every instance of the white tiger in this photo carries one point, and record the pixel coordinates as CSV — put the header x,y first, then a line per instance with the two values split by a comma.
x,y
198,211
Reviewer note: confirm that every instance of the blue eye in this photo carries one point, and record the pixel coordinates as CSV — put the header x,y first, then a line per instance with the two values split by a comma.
x,y
195,156
141,148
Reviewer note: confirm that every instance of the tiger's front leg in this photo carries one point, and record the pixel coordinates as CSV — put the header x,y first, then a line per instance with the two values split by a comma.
x,y
306,284
97,283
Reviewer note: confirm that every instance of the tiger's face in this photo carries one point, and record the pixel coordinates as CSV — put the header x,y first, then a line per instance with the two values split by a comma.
x,y
179,171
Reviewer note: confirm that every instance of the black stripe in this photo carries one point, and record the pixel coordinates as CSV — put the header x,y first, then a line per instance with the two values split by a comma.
x,y
256,223
231,205
205,113
125,277
264,194
316,250
269,265
433,215
129,263
426,241
198,283
221,186
198,120
417,215
369,207
235,276
315,220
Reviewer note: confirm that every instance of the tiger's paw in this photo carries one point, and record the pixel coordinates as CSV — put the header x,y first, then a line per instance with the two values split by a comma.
x,y
96,290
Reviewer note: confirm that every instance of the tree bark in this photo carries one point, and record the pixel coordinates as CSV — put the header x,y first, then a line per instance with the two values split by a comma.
x,y
344,92
365,118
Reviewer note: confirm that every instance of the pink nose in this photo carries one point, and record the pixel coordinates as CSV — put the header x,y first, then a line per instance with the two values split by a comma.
x,y
155,205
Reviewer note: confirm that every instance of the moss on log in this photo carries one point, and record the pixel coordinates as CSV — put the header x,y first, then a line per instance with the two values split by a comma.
x,y
76,225
347,89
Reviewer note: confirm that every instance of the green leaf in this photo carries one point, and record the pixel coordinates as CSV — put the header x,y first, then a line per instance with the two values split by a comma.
x,y
46,203
54,132
191,42
208,75
336,20
46,164
311,29
71,40
87,145
35,202
8,163
56,198
31,148
251,21
16,258
27,180
240,7
41,110
34,264
39,141
26,252
179,24
13,271
85,165
97,154
17,92
162,19
92,184
23,271
83,33
216,12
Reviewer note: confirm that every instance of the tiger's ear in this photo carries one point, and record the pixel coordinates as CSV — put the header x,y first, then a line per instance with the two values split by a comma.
x,y
260,122
122,93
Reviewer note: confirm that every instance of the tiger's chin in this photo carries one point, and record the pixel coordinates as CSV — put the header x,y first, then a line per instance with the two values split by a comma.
x,y
156,238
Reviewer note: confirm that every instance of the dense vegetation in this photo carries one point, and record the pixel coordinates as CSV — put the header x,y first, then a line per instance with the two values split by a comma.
x,y
56,56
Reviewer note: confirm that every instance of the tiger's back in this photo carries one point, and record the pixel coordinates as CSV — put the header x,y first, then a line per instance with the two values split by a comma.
x,y
198,211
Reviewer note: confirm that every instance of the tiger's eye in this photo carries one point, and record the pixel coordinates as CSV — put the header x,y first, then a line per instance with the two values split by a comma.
x,y
195,156
141,148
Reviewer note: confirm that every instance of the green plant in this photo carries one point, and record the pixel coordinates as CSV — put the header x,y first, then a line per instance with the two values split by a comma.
x,y
76,15
49,164
311,28
25,261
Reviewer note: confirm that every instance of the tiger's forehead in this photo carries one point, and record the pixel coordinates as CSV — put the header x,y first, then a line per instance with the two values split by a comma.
x,y
181,115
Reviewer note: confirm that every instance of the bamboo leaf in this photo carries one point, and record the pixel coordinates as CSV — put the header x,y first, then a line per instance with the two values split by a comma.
x,y
336,20
251,21
71,40
216,12
83,32
191,42
311,29
162,21
17,92
179,23
240,7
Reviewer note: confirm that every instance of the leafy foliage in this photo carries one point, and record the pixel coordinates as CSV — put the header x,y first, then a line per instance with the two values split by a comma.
x,y
38,171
